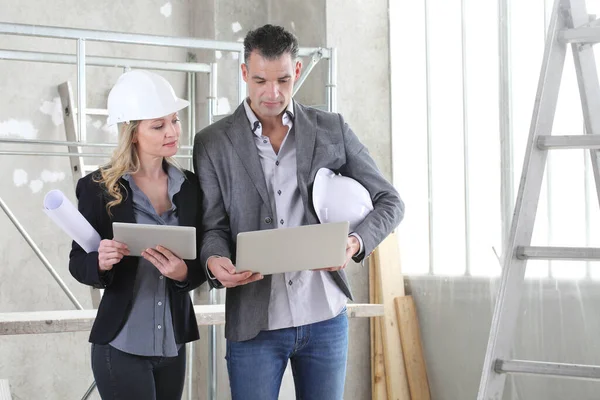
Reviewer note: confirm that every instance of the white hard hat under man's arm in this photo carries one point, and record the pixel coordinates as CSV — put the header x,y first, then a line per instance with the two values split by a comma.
x,y
388,207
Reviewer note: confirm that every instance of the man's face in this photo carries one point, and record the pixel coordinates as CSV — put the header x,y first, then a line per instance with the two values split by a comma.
x,y
270,82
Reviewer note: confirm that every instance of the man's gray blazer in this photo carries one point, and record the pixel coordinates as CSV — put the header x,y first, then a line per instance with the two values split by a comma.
x,y
235,197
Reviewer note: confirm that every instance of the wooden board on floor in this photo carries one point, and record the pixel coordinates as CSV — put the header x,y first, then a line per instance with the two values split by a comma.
x,y
372,300
412,349
378,385
391,285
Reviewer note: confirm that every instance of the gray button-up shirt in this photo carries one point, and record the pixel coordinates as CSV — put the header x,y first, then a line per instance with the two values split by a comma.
x,y
148,330
297,298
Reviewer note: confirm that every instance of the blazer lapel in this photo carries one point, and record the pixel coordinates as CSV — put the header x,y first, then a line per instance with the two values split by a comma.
x,y
186,202
240,135
305,132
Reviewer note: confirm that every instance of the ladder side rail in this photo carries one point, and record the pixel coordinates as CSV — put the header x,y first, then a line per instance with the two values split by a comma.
x,y
509,295
587,80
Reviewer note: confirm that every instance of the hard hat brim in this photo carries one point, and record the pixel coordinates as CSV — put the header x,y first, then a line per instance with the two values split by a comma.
x,y
179,105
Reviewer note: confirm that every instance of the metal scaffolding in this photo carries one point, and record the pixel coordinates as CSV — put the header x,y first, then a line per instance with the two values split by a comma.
x,y
82,60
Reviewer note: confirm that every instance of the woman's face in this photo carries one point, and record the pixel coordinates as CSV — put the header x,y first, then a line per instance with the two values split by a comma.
x,y
158,137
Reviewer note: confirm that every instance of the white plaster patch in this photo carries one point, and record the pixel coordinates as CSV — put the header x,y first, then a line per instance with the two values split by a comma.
x,y
167,9
19,129
235,55
218,55
236,27
49,176
19,177
293,25
111,130
223,106
54,109
97,124
36,185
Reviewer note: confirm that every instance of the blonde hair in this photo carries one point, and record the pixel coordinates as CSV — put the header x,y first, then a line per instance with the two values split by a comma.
x,y
124,160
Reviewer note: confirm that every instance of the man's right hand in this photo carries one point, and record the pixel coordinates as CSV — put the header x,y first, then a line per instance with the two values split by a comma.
x,y
223,269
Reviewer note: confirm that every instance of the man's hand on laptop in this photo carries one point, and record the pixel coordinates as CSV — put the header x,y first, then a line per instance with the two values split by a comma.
x,y
223,269
352,248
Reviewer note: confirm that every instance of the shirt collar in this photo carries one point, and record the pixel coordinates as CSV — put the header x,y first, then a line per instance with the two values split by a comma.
x,y
286,119
175,178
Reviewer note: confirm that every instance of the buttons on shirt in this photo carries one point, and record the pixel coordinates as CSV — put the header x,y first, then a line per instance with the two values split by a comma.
x,y
290,282
281,222
268,220
264,141
160,303
159,327
276,162
160,277
279,192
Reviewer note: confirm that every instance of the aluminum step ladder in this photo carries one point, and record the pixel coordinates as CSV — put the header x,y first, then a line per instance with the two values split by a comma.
x,y
569,24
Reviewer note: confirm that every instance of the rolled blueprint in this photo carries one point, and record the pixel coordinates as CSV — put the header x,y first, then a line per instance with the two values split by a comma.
x,y
64,214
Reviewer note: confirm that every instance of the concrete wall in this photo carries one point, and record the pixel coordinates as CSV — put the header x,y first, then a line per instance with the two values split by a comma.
x,y
57,366
364,100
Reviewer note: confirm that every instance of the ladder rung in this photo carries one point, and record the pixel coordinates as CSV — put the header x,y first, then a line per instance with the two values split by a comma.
x,y
550,142
558,253
585,34
547,368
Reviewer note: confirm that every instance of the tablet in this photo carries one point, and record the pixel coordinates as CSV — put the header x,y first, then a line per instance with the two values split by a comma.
x,y
292,249
181,240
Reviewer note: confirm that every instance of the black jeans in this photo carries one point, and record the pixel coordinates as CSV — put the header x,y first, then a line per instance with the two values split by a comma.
x,y
123,376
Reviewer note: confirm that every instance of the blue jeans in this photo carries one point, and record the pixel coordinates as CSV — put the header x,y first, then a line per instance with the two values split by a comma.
x,y
317,353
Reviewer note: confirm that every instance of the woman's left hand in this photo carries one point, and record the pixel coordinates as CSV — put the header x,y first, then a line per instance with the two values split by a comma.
x,y
167,263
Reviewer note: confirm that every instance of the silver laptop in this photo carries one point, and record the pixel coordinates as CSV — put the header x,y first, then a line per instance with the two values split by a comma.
x,y
306,247
180,240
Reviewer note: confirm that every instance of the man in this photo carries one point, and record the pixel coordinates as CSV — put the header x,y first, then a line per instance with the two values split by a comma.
x,y
256,170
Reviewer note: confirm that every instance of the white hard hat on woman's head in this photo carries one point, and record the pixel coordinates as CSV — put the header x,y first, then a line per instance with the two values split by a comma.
x,y
139,95
337,198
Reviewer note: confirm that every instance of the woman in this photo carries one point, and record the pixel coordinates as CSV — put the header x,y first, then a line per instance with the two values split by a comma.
x,y
145,317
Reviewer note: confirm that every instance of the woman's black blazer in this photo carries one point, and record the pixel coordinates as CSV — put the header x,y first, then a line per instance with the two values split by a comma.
x,y
118,282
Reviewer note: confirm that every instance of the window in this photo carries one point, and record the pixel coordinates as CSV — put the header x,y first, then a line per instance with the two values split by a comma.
x,y
462,99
